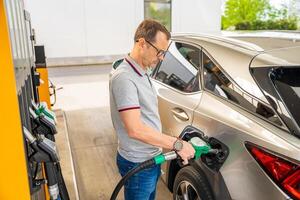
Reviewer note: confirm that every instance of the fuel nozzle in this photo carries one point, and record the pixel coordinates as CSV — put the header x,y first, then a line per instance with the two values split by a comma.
x,y
42,109
200,146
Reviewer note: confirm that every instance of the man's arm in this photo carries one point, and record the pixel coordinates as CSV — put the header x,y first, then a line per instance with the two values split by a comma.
x,y
140,131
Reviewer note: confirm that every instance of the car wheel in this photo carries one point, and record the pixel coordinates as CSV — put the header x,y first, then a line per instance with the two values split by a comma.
x,y
190,185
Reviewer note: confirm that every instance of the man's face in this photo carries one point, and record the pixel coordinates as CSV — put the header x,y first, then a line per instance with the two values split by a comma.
x,y
152,49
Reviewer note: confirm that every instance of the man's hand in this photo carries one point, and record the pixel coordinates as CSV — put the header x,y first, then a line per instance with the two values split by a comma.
x,y
187,152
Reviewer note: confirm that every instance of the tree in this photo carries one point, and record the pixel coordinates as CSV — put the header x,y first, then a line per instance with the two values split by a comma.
x,y
239,11
275,13
161,13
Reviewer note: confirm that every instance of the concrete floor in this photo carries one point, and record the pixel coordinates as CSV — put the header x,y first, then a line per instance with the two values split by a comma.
x,y
66,161
85,109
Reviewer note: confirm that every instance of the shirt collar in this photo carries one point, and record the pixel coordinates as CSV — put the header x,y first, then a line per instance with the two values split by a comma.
x,y
136,67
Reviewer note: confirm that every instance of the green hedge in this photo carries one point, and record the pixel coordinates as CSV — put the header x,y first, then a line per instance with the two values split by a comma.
x,y
282,24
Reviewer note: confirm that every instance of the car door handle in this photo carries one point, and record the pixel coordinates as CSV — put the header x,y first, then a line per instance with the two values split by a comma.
x,y
180,114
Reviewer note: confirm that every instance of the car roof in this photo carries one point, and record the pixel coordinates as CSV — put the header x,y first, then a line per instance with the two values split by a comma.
x,y
278,57
225,41
287,35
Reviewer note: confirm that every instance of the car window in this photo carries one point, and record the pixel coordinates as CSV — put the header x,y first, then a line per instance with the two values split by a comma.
x,y
287,83
217,82
190,53
179,69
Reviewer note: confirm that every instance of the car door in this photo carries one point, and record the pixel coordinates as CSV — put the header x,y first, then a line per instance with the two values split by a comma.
x,y
176,80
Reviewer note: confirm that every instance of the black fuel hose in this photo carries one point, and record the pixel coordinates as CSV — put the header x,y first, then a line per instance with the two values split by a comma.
x,y
141,166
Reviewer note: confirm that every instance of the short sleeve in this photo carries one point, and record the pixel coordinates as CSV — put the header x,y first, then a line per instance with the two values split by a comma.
x,y
125,94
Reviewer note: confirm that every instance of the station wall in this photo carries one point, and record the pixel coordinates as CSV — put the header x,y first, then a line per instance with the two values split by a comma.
x,y
87,31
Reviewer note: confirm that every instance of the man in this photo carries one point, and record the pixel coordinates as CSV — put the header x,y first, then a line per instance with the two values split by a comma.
x,y
134,112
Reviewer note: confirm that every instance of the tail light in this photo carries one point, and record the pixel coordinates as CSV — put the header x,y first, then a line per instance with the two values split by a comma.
x,y
284,173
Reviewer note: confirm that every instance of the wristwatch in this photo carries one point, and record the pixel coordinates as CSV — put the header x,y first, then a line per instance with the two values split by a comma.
x,y
178,145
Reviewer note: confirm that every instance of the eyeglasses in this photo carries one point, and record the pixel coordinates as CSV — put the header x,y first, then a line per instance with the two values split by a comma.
x,y
160,52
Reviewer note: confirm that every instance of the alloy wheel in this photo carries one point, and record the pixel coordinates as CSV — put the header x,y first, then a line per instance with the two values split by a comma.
x,y
186,191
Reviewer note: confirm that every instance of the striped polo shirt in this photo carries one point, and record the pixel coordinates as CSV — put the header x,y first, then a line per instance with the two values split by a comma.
x,y
130,88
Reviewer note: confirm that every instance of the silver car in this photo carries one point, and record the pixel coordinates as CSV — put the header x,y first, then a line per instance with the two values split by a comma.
x,y
242,100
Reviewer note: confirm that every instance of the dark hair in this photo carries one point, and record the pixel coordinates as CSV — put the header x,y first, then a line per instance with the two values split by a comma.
x,y
148,30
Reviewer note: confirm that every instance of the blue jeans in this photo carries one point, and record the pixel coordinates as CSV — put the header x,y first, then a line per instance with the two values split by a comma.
x,y
142,185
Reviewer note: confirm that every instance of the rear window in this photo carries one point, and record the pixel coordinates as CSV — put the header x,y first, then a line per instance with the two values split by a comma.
x,y
287,84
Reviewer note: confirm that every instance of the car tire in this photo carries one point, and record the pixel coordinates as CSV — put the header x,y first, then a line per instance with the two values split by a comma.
x,y
190,184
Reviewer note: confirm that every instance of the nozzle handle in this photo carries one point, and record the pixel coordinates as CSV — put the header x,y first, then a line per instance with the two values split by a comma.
x,y
34,105
200,146
28,135
32,113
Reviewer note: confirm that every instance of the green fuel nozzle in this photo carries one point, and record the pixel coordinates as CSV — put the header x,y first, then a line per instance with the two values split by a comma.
x,y
200,146
42,109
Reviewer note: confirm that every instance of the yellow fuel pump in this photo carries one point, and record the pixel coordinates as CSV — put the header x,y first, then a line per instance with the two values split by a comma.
x,y
13,173
27,127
